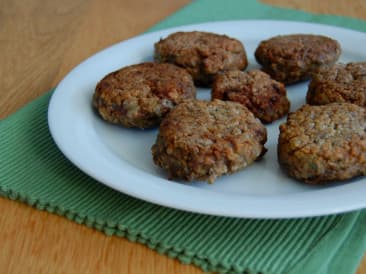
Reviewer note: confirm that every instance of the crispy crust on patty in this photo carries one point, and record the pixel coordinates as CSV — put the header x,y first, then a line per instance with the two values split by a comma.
x,y
202,54
263,96
293,58
141,95
326,143
340,83
202,140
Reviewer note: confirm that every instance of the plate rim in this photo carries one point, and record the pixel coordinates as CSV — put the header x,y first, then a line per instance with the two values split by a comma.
x,y
300,213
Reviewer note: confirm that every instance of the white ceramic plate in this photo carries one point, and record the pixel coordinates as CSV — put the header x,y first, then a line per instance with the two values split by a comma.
x,y
121,158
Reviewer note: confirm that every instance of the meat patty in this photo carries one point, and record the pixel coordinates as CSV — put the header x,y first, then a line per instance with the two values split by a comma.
x,y
141,95
202,54
325,143
263,96
202,140
340,83
293,58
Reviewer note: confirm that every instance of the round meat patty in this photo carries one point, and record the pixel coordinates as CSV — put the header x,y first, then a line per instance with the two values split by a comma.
x,y
202,140
202,54
263,96
341,83
326,143
293,58
141,95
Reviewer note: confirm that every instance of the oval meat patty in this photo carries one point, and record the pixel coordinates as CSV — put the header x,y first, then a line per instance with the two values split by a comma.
x,y
202,140
202,54
265,97
325,143
293,58
141,95
340,83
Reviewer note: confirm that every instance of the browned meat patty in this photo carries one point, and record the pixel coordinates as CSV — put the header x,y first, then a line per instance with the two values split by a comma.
x,y
293,58
141,95
325,143
202,140
263,96
202,54
341,83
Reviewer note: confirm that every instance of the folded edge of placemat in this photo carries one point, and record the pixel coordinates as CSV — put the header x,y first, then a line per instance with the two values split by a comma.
x,y
346,249
212,243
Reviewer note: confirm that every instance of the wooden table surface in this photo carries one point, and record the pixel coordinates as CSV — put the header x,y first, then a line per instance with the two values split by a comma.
x,y
40,41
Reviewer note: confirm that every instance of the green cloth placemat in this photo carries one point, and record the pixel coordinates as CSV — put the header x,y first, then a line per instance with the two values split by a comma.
x,y
34,171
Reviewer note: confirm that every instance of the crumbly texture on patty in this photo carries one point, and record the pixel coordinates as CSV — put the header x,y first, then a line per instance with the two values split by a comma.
x,y
325,143
265,97
202,140
141,95
340,83
202,54
293,58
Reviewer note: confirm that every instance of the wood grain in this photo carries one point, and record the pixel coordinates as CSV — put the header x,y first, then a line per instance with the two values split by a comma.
x,y
40,41
354,8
